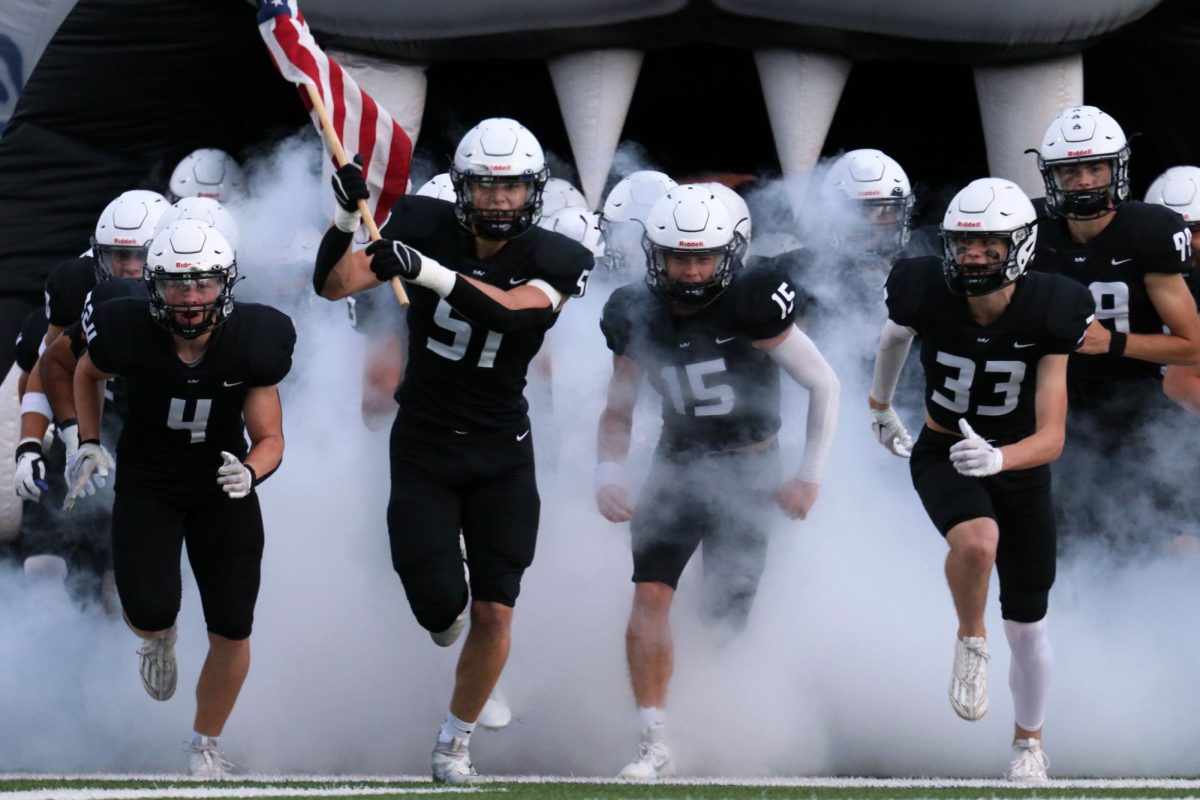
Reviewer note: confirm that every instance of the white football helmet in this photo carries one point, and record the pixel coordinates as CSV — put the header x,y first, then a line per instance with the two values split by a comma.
x,y
191,272
878,185
498,150
208,172
579,224
560,194
1179,190
690,220
1080,135
988,208
125,229
623,221
438,187
738,210
204,209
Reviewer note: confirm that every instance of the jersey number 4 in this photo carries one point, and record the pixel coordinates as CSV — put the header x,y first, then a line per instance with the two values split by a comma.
x,y
193,420
462,330
959,383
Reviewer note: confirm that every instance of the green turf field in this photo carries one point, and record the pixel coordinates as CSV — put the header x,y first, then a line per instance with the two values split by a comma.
x,y
118,788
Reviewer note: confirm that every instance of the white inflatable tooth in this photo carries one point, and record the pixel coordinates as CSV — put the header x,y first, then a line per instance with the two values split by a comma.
x,y
802,89
1017,102
594,88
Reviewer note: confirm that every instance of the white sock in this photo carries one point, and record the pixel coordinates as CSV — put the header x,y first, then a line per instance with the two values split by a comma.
x,y
1029,675
198,739
652,717
454,728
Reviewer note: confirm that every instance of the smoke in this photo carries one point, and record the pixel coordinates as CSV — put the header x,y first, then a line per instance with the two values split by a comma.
x,y
843,668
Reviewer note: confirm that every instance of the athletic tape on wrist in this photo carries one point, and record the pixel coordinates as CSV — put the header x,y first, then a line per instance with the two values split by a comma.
x,y
346,221
609,473
36,403
436,277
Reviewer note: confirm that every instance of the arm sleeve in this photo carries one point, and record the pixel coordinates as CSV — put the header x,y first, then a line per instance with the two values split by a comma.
x,y
476,306
894,344
800,359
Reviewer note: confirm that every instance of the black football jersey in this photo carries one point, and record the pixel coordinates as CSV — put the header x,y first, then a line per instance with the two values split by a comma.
x,y
67,288
459,374
29,339
1142,238
718,392
182,416
987,374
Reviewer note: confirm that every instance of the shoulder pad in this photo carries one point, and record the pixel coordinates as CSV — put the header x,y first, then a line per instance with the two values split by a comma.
x,y
764,301
1071,309
1159,236
561,261
908,288
269,344
616,320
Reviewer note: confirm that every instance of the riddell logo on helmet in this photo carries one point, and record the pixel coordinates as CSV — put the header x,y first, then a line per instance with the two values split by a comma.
x,y
502,168
962,224
871,193
122,240
213,195
183,263
687,243
1087,152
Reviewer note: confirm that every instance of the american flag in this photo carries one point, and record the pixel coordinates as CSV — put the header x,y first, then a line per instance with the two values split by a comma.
x,y
363,126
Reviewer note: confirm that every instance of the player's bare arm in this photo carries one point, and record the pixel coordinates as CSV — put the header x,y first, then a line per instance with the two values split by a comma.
x,y
1050,407
89,397
612,439
57,370
263,414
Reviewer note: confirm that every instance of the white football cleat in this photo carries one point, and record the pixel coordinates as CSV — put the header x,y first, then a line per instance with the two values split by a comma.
x,y
156,663
452,762
968,685
205,761
653,761
1029,762
495,714
450,635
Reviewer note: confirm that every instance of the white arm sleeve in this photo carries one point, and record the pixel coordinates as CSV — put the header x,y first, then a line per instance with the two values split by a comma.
x,y
799,358
894,343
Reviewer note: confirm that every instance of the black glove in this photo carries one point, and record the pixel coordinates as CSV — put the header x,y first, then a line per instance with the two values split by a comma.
x,y
349,186
392,259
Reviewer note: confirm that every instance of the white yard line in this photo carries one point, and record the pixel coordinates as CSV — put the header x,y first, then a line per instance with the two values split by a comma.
x,y
210,792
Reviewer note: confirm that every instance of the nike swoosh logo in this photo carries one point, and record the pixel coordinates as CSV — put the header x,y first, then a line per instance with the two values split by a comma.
x,y
1117,263
229,385
1020,345
726,339
517,281
521,438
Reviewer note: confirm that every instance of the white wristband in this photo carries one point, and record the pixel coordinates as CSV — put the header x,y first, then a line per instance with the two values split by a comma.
x,y
436,277
36,403
346,221
609,473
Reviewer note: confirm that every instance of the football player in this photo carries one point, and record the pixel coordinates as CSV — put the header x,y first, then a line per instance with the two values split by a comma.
x,y
711,339
1179,190
994,346
623,219
207,172
486,284
1131,256
201,373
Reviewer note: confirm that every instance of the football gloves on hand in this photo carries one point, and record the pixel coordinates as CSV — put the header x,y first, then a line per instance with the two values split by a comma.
x,y
30,478
349,187
86,470
973,456
890,432
234,477
392,259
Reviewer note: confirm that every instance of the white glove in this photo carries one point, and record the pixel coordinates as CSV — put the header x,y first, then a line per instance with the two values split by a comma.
x,y
69,434
86,471
973,456
30,477
889,430
235,478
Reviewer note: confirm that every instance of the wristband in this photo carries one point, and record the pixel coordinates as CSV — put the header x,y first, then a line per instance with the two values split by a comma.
x,y
254,481
1116,345
435,276
609,473
89,441
346,221
36,403
29,444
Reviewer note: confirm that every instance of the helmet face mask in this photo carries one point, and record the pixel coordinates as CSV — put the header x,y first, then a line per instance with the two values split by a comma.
x,y
1076,140
114,261
878,198
191,272
992,218
885,227
497,223
688,293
